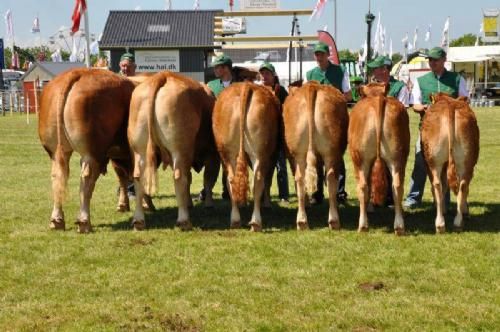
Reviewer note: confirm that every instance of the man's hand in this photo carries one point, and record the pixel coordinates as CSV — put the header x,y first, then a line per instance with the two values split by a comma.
x,y
419,108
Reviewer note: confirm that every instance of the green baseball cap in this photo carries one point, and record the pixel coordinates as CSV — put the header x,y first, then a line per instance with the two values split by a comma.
x,y
268,66
222,60
321,47
127,56
436,53
380,61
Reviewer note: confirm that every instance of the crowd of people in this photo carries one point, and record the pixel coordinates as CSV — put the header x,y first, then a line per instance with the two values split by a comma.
x,y
416,95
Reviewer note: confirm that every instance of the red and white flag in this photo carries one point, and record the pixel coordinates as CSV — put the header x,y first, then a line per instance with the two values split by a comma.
x,y
231,4
80,8
15,61
36,25
325,37
318,9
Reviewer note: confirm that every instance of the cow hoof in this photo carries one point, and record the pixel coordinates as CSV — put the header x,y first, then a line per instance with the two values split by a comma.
x,y
138,225
363,229
123,208
255,227
235,224
458,229
302,226
399,231
84,226
57,224
184,225
147,204
334,225
440,229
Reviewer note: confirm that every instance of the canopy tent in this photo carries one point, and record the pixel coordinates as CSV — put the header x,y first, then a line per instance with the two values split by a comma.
x,y
473,53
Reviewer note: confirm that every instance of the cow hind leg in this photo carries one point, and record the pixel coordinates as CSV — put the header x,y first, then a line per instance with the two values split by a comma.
x,y
397,172
235,221
437,187
181,182
59,175
462,208
363,173
139,220
89,173
332,183
123,200
260,171
300,169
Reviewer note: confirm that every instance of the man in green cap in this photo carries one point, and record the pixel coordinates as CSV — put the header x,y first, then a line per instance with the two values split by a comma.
x,y
223,66
381,71
438,80
331,74
271,80
127,65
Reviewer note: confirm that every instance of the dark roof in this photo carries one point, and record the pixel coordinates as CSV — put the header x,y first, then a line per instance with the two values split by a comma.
x,y
159,29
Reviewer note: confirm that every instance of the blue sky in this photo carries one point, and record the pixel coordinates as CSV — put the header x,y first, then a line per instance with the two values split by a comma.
x,y
398,17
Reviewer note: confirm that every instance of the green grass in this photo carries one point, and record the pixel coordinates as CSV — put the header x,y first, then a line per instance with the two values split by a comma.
x,y
215,279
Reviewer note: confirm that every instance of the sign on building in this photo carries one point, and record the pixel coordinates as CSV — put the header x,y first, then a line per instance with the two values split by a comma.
x,y
155,61
250,5
233,25
491,26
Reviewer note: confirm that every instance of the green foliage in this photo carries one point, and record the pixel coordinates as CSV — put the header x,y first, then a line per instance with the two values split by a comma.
x,y
216,279
347,55
468,39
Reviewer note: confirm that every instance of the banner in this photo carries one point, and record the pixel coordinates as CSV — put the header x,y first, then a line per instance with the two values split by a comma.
x,y
254,5
155,61
491,26
234,25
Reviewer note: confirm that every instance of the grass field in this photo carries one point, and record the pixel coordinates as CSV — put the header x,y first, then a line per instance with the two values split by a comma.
x,y
215,279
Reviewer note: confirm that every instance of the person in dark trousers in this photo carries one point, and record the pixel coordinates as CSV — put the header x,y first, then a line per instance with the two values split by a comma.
x,y
332,74
270,79
223,66
438,80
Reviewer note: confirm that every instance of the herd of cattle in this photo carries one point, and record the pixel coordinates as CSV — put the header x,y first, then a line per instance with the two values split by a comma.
x,y
167,119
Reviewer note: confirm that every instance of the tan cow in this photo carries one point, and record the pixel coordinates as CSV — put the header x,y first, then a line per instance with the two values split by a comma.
x,y
379,136
245,126
450,144
316,120
170,119
85,111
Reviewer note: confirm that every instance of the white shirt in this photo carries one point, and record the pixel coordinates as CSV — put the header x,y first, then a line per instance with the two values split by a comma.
x,y
416,96
404,96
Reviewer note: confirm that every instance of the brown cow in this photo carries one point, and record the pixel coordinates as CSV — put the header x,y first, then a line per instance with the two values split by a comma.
x,y
245,126
450,144
170,119
85,111
316,122
379,136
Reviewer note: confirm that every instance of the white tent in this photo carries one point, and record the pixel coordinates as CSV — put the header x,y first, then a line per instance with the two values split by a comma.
x,y
473,53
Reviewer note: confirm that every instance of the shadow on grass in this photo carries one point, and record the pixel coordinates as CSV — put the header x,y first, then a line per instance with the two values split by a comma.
x,y
282,217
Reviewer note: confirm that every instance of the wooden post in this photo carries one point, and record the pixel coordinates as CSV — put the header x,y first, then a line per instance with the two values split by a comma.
x,y
11,100
28,110
36,96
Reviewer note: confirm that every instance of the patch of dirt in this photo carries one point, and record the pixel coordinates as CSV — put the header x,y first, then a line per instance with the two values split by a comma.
x,y
372,286
178,324
142,242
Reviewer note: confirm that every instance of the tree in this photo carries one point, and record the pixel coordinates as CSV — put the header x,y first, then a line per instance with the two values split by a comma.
x,y
396,57
347,55
469,39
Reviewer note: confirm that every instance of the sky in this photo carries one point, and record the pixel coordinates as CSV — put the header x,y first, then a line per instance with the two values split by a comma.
x,y
398,17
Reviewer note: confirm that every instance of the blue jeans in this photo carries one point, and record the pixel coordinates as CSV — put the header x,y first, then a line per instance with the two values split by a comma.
x,y
282,175
418,177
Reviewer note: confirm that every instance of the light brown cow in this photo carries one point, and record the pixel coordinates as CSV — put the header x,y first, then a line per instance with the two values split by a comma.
x,y
170,119
379,136
316,120
245,126
450,144
85,111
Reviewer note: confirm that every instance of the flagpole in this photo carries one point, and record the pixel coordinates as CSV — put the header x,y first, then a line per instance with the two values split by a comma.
x,y
87,37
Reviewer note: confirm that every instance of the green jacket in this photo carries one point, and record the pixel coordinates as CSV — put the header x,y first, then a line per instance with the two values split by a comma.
x,y
430,83
333,75
395,87
216,86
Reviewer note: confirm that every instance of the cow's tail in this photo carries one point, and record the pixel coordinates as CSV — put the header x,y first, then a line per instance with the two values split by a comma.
x,y
311,175
452,171
240,181
378,174
150,178
60,161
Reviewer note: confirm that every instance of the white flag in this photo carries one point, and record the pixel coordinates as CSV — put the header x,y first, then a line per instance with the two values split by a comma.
x,y
390,48
428,33
318,9
479,34
376,42
382,41
168,5
362,57
56,56
36,25
196,5
405,47
444,37
9,25
415,37
74,52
